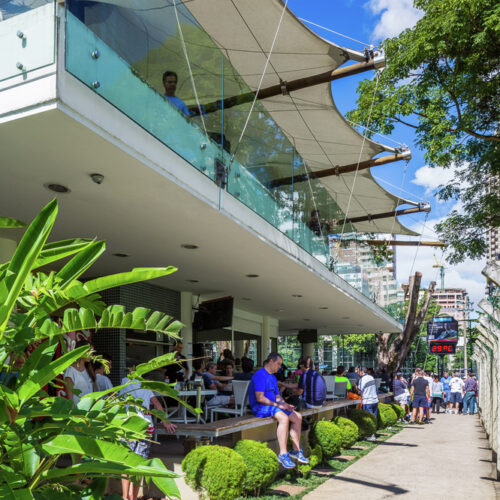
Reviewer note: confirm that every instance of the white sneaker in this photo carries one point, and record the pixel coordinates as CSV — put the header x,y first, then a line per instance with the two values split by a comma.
x,y
371,438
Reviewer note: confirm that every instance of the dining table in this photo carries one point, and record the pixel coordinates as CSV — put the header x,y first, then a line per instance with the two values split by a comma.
x,y
180,413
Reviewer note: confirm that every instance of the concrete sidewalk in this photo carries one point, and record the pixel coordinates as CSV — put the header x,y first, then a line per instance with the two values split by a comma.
x,y
448,459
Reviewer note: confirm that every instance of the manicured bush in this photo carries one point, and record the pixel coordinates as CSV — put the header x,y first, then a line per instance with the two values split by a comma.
x,y
216,470
315,459
386,416
366,422
261,462
327,435
348,429
400,412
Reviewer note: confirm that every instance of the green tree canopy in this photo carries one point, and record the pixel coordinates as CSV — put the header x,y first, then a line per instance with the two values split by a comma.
x,y
442,79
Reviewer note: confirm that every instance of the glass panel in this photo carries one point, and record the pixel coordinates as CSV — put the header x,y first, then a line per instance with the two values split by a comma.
x,y
27,29
159,67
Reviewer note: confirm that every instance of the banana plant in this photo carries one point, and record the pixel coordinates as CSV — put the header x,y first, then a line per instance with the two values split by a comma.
x,y
38,431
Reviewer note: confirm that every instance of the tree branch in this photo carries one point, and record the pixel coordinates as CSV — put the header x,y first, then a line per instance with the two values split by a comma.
x,y
405,123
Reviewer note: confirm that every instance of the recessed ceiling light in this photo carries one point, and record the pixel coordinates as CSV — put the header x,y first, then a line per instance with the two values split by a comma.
x,y
193,281
246,298
296,295
189,246
324,307
57,188
252,275
120,255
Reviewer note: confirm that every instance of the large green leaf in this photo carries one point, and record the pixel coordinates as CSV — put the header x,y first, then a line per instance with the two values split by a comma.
x,y
42,377
23,260
154,364
57,250
95,448
120,279
8,222
42,354
115,469
112,317
80,263
167,486
23,494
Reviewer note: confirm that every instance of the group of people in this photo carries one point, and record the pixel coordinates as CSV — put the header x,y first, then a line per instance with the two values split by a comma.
x,y
427,392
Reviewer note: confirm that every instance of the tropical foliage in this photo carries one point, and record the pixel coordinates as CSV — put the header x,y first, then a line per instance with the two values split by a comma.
x,y
442,81
38,430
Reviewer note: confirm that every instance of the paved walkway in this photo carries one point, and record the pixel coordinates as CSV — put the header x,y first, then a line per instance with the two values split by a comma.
x,y
448,459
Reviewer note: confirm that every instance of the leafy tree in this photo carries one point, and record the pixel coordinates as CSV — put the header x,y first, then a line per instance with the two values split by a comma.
x,y
442,80
36,428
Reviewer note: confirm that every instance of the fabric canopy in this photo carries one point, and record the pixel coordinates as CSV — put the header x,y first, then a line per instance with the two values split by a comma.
x,y
244,31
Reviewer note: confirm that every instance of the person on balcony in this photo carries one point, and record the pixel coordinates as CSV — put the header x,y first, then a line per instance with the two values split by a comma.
x,y
265,401
170,84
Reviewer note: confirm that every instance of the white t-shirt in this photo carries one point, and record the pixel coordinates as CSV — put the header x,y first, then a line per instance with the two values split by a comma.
x,y
456,384
368,388
103,383
81,380
143,394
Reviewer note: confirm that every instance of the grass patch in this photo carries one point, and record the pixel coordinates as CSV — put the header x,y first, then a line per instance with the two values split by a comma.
x,y
336,466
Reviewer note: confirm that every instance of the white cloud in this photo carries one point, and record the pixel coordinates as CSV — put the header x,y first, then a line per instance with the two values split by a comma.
x,y
431,178
395,16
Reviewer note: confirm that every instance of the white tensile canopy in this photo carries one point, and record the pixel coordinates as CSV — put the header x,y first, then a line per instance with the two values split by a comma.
x,y
244,31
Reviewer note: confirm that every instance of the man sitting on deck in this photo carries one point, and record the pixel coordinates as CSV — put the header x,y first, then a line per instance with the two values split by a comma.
x,y
265,401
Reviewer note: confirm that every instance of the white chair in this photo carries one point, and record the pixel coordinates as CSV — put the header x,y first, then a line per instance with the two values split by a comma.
x,y
240,391
340,391
330,386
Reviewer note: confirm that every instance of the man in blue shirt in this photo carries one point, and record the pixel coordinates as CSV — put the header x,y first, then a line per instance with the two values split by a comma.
x,y
445,379
266,401
170,84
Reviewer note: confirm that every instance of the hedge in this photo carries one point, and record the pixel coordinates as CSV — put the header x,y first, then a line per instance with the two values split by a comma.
x,y
315,459
386,416
327,435
366,422
218,471
400,411
349,431
261,462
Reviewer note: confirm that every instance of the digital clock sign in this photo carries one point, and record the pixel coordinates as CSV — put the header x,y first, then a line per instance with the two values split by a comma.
x,y
442,346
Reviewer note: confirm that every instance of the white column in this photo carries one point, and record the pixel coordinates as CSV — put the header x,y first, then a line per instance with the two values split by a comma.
x,y
187,320
265,347
239,346
308,350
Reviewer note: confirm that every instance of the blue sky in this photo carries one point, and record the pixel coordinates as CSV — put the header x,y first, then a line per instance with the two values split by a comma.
x,y
370,21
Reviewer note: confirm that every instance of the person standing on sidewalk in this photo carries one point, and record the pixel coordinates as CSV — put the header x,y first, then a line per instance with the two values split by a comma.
x,y
456,392
427,375
421,395
445,379
368,388
470,388
400,391
437,393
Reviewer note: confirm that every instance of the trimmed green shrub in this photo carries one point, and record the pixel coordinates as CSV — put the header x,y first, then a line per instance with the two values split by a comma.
x,y
400,412
327,435
219,471
261,462
386,416
349,431
315,459
366,422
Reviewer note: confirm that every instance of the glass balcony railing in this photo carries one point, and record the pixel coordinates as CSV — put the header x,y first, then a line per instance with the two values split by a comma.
x,y
27,37
129,57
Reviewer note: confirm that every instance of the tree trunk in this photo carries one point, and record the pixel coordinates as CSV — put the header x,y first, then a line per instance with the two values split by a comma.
x,y
393,349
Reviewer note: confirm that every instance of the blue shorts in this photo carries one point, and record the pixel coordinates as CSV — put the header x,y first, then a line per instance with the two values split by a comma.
x,y
446,396
420,402
270,411
455,397
372,408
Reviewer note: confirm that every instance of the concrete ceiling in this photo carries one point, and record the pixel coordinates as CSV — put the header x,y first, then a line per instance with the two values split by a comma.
x,y
140,212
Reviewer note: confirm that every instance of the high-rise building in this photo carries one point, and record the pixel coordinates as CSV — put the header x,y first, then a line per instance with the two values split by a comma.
x,y
454,302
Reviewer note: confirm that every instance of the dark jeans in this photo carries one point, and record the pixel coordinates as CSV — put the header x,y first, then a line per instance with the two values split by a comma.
x,y
469,402
436,404
372,408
